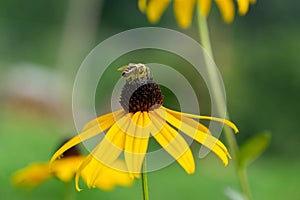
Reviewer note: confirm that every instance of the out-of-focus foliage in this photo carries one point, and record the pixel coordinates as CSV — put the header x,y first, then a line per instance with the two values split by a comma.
x,y
263,84
259,59
258,56
253,148
30,29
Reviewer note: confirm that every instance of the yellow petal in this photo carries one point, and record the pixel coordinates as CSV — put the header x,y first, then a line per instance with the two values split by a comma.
x,y
204,7
113,142
141,141
102,119
227,122
79,171
193,123
155,9
65,168
104,177
142,4
252,1
130,142
173,143
207,140
243,6
191,129
226,8
107,151
110,177
106,122
136,144
32,176
90,170
184,10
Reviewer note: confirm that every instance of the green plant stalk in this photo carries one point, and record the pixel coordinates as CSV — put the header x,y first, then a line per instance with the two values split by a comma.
x,y
69,191
242,174
229,134
145,182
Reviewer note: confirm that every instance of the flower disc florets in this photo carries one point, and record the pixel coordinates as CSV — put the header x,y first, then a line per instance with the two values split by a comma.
x,y
141,95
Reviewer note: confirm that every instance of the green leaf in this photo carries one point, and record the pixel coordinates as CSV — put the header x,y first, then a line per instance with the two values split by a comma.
x,y
253,148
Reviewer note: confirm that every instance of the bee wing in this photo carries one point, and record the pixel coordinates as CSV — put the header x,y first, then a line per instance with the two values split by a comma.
x,y
122,68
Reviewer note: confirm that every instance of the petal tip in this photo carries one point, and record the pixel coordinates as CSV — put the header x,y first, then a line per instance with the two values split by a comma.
x,y
78,188
225,163
236,130
228,21
142,5
242,13
184,25
191,171
228,155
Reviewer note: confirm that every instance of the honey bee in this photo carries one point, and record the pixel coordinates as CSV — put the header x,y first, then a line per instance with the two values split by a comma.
x,y
134,71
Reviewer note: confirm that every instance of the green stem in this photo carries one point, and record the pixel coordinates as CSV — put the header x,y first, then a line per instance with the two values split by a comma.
x,y
217,94
242,174
69,191
145,182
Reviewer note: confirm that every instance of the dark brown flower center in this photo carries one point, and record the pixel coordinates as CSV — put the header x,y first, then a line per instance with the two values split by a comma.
x,y
141,95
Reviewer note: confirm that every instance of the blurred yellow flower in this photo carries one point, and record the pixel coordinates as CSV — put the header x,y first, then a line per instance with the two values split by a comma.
x,y
65,168
184,9
36,173
31,176
129,130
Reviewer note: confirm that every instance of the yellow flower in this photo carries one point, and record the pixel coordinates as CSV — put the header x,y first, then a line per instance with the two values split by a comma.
x,y
65,168
183,9
36,173
142,116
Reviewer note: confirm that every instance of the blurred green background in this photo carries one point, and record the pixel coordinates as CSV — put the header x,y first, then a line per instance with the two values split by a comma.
x,y
42,44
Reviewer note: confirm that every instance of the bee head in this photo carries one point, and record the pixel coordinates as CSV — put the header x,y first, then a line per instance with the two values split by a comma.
x,y
123,74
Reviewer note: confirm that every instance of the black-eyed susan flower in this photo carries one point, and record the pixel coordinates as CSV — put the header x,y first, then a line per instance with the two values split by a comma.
x,y
36,173
183,9
128,130
65,168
